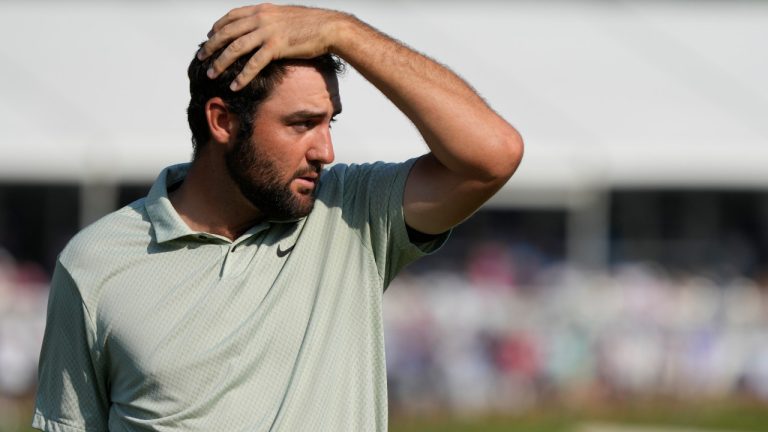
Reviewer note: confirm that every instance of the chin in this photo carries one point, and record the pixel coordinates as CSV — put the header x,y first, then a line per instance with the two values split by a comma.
x,y
305,204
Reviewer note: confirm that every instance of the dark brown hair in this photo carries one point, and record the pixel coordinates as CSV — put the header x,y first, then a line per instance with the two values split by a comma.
x,y
245,102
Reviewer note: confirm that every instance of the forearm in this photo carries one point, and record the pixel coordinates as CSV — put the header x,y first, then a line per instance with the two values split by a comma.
x,y
461,130
465,136
473,150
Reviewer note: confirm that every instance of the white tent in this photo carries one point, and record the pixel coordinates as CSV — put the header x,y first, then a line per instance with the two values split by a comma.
x,y
606,94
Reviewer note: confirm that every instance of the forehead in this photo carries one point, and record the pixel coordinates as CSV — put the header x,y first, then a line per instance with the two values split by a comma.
x,y
305,88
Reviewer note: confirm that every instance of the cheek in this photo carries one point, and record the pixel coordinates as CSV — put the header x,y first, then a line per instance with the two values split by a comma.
x,y
295,157
278,151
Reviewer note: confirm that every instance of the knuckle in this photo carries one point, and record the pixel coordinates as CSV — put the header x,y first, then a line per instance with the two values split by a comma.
x,y
268,11
271,47
216,67
238,11
236,46
224,33
270,52
252,64
244,11
253,21
270,44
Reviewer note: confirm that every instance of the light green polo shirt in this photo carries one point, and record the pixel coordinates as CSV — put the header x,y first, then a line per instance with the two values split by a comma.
x,y
153,326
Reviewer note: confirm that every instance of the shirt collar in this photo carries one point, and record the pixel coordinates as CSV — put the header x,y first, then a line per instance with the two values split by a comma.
x,y
166,221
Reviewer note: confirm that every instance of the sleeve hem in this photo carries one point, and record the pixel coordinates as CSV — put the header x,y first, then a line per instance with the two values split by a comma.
x,y
401,230
44,424
407,251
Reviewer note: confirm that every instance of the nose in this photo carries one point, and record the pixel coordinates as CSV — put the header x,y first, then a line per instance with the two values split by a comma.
x,y
321,150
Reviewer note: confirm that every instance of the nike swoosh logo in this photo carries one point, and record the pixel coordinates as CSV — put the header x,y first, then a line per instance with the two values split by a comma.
x,y
282,253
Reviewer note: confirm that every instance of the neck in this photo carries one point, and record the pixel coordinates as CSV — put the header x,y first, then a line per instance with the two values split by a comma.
x,y
209,201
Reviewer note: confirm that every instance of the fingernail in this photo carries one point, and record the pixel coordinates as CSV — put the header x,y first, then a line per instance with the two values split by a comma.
x,y
210,33
199,54
210,72
233,86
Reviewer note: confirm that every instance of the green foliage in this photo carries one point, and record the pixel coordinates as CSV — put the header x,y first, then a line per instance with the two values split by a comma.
x,y
725,415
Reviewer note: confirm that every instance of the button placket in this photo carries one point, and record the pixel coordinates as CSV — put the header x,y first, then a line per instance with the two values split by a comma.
x,y
225,251
238,255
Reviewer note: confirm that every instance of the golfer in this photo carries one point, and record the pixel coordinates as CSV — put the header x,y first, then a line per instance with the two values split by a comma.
x,y
244,292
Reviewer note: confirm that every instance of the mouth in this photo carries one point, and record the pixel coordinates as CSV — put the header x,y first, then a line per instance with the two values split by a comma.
x,y
307,183
307,179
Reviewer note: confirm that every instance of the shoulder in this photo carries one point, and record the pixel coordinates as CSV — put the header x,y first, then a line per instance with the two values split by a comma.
x,y
376,175
355,171
124,228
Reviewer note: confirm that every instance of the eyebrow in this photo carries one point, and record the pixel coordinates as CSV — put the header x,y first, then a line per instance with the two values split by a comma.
x,y
309,115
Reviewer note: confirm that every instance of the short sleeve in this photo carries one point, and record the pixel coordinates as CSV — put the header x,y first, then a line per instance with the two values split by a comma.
x,y
375,194
71,393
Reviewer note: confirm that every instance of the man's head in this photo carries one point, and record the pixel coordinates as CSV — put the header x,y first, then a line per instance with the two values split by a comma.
x,y
244,103
281,138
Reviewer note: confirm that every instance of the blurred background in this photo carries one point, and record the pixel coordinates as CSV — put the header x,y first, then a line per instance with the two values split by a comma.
x,y
620,278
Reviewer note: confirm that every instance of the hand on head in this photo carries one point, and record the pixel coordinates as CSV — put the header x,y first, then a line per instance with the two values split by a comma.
x,y
278,32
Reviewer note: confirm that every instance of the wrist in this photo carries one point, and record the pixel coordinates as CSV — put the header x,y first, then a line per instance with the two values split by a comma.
x,y
341,32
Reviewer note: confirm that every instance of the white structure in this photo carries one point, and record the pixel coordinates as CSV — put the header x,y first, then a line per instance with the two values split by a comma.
x,y
606,94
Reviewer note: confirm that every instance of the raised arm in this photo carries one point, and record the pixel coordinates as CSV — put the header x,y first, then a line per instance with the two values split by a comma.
x,y
473,150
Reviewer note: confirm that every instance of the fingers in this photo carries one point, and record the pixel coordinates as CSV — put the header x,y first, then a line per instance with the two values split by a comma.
x,y
276,31
234,15
227,34
236,49
255,64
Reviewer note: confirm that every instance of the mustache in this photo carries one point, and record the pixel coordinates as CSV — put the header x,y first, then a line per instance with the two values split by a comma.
x,y
310,170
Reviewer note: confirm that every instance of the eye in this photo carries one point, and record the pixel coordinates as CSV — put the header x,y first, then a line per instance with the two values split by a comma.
x,y
303,125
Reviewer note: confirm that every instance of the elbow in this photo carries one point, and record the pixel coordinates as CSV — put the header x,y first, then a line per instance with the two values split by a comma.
x,y
515,149
506,157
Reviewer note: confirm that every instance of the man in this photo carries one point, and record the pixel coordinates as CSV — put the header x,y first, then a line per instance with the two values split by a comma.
x,y
244,292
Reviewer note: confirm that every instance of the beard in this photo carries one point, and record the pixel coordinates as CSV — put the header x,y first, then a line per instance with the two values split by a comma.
x,y
258,179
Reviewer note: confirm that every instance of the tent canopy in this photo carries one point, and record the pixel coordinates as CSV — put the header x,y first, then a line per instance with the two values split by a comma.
x,y
606,94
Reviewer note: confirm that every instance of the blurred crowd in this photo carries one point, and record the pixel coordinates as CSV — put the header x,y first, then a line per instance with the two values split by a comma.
x,y
23,299
505,331
501,337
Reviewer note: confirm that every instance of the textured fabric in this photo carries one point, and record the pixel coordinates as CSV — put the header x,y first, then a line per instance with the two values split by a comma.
x,y
152,326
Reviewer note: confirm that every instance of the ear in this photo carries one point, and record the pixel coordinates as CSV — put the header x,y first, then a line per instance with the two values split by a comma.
x,y
221,123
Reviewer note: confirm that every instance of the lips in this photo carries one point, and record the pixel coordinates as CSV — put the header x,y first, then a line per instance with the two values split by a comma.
x,y
307,179
307,182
